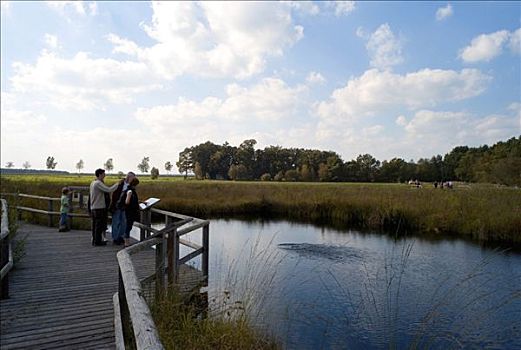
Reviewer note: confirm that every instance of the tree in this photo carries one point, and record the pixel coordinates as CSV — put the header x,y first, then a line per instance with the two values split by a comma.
x,y
109,165
323,172
185,162
26,165
154,173
238,172
368,167
168,166
144,165
265,177
9,165
80,165
198,171
51,164
291,175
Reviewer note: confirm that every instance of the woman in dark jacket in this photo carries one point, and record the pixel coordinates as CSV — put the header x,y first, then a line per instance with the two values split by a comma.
x,y
131,208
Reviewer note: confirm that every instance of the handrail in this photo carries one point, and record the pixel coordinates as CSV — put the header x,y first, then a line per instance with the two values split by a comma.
x,y
7,252
130,302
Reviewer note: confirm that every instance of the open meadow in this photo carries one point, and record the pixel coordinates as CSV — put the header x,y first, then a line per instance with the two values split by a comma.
x,y
477,211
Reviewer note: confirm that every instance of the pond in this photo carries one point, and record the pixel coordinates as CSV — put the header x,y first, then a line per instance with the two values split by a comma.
x,y
318,288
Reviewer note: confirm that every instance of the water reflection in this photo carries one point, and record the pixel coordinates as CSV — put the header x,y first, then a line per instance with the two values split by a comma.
x,y
321,288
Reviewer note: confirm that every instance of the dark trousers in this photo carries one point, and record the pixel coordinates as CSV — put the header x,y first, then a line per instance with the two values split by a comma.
x,y
99,224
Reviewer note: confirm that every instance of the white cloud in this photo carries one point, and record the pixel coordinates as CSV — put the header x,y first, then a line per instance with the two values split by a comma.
x,y
269,100
342,7
51,40
444,12
401,120
515,42
442,130
307,7
385,50
315,78
68,8
5,5
361,33
82,83
214,39
485,47
377,91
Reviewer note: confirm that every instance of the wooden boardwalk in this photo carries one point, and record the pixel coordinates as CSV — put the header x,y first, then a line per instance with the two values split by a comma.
x,y
61,292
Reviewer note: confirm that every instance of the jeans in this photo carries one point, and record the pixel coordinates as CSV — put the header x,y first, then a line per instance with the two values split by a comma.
x,y
63,219
119,223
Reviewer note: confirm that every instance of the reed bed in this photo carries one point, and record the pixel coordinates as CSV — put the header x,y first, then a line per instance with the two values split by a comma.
x,y
480,212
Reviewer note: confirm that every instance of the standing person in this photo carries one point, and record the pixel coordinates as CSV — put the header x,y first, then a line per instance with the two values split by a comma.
x,y
98,206
118,213
130,202
64,210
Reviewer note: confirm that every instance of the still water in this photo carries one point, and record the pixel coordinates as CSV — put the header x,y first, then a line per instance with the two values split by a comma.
x,y
317,288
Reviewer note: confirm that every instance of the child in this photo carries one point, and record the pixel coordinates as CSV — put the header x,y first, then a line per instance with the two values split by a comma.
x,y
64,210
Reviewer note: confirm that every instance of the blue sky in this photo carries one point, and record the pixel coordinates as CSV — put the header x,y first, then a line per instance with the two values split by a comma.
x,y
124,80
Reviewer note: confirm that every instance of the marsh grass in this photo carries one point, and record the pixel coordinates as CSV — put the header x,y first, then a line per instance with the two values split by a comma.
x,y
180,326
478,212
235,311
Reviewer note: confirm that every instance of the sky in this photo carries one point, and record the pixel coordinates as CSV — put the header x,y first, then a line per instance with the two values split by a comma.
x,y
125,80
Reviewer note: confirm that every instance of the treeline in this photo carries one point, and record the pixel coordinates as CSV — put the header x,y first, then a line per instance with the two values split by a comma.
x,y
500,163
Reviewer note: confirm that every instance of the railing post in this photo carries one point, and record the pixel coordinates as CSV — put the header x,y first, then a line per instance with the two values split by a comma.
x,y
5,257
160,263
173,257
206,246
69,221
81,203
146,219
5,260
50,214
17,202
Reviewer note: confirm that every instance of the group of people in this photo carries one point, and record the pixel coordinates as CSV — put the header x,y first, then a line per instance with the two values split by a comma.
x,y
121,199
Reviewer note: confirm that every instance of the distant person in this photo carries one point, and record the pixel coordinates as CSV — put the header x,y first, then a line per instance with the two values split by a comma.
x,y
435,184
98,206
64,210
119,222
130,203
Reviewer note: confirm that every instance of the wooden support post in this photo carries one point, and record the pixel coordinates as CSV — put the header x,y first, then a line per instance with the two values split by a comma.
x,y
69,218
173,257
146,218
160,267
206,246
4,289
50,210
17,203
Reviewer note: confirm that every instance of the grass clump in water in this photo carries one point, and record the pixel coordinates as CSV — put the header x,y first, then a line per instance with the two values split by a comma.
x,y
181,326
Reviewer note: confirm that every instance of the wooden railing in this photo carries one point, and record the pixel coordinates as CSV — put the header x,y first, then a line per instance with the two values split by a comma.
x,y
77,198
130,305
6,252
134,325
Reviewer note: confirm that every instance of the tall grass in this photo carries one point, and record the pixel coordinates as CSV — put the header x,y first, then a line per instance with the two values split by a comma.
x,y
233,316
479,212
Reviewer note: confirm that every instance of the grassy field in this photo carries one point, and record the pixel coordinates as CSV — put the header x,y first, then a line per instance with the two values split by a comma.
x,y
480,212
